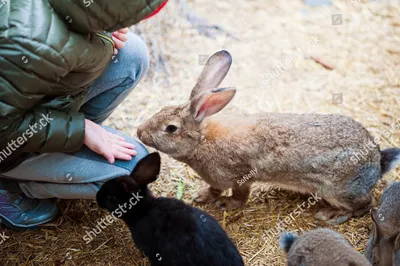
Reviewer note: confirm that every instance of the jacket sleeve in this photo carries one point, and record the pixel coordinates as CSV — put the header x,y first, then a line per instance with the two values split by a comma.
x,y
90,16
51,131
44,130
28,125
27,120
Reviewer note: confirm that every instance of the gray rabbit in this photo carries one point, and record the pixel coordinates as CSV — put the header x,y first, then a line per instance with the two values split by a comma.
x,y
332,156
384,243
320,247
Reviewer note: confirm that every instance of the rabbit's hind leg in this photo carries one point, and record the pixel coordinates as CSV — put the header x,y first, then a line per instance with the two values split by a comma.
x,y
355,199
338,215
239,197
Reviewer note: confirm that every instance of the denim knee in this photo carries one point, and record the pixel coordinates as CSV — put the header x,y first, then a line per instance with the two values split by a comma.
x,y
139,147
133,59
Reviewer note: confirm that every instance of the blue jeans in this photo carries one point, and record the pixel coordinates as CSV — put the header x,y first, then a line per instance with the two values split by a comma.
x,y
79,175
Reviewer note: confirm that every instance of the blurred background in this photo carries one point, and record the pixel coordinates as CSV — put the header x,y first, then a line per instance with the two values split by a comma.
x,y
347,62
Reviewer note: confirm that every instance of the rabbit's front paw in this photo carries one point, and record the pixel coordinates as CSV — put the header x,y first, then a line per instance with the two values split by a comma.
x,y
229,203
207,195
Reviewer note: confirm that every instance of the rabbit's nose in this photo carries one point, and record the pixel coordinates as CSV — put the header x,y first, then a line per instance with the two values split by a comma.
x,y
140,132
144,135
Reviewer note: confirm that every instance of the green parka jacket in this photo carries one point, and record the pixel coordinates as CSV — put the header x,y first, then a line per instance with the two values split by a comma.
x,y
50,52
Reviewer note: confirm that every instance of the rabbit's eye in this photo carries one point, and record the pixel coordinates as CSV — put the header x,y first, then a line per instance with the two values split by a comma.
x,y
171,128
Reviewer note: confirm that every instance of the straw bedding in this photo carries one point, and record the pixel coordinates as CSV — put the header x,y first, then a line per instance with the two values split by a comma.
x,y
352,70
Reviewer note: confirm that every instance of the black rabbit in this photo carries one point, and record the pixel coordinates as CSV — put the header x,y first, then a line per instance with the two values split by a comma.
x,y
168,231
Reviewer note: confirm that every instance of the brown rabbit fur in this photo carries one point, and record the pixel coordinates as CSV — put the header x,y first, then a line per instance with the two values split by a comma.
x,y
320,247
306,153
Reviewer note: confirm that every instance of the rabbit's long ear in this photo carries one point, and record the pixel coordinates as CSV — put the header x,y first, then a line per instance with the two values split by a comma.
x,y
210,102
213,72
377,233
147,169
394,239
397,242
386,250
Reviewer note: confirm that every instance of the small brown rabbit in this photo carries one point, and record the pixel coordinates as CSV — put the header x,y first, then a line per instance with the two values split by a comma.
x,y
307,153
320,247
383,247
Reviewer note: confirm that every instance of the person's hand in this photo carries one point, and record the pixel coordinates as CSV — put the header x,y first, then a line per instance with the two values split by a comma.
x,y
110,145
119,37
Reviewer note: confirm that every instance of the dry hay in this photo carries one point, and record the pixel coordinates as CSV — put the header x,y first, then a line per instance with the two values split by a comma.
x,y
365,52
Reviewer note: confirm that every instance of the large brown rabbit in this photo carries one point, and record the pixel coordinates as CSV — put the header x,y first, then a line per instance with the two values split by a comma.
x,y
306,153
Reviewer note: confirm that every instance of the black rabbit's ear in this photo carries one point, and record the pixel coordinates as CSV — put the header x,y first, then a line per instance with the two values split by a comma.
x,y
128,183
147,169
376,228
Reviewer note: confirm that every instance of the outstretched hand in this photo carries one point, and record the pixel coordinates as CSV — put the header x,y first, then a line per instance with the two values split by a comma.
x,y
111,146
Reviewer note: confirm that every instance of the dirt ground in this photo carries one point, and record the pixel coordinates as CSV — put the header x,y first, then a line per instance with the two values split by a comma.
x,y
362,47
